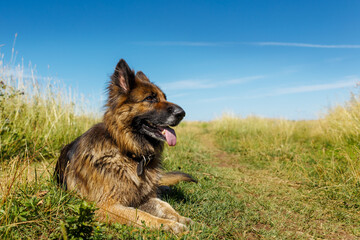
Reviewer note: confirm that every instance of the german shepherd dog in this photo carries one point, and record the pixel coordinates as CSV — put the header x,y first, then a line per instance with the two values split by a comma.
x,y
117,162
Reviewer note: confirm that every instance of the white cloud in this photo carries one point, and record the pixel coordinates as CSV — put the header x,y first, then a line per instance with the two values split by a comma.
x,y
188,84
306,45
170,96
181,43
349,81
216,44
217,99
335,60
242,80
204,84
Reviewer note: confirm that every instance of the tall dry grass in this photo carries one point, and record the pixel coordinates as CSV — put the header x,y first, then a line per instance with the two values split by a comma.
x,y
37,115
342,123
323,152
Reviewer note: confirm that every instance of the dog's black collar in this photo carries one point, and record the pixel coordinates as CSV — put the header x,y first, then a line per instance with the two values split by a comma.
x,y
142,161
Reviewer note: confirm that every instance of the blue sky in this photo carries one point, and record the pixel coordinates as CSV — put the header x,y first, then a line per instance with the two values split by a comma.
x,y
290,59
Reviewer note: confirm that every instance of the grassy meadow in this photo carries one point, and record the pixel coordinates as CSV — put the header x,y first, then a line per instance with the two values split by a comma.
x,y
258,178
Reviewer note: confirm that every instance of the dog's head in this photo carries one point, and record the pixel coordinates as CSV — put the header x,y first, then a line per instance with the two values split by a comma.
x,y
139,106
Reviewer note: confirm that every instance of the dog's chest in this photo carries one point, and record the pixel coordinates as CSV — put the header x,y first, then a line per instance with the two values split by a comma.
x,y
138,189
101,176
116,180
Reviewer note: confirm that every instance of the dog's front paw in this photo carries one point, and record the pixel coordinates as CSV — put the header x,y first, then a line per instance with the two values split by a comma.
x,y
175,227
178,228
186,221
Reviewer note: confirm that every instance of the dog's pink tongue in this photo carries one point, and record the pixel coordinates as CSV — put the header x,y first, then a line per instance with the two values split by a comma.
x,y
170,136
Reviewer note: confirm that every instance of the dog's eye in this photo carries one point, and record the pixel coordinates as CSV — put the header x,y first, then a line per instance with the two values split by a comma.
x,y
150,98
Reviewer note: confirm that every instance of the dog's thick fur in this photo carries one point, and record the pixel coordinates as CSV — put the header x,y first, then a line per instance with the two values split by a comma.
x,y
117,163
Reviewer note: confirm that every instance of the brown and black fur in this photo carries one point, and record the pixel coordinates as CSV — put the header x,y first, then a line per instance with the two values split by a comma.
x,y
102,165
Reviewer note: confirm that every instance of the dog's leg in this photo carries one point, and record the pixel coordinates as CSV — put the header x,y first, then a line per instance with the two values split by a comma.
x,y
113,213
162,209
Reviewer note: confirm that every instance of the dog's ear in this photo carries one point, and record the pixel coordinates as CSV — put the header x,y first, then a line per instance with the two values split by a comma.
x,y
142,76
123,76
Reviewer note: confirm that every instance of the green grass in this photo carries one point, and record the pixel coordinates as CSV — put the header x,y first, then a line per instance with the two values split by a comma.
x,y
36,125
258,178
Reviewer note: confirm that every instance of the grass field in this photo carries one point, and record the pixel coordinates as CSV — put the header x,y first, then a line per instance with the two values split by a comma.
x,y
258,178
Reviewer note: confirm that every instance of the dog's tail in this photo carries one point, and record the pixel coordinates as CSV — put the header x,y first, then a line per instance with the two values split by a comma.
x,y
172,178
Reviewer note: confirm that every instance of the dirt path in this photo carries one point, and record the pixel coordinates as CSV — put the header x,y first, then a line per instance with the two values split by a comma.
x,y
279,206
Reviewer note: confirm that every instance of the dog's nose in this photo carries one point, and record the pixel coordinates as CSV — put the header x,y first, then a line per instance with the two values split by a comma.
x,y
176,111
